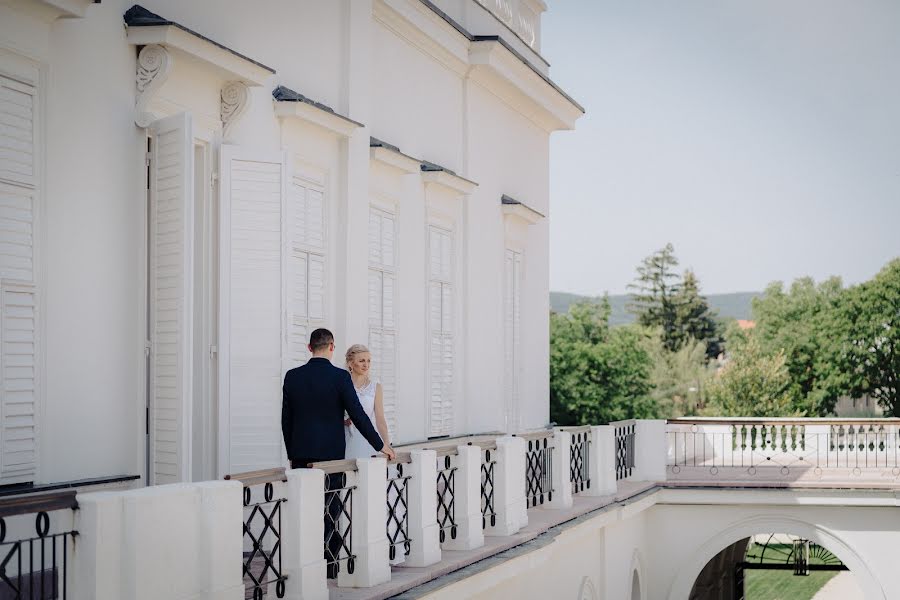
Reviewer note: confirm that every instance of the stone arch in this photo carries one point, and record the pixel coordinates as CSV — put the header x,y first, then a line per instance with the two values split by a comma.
x,y
635,584
690,568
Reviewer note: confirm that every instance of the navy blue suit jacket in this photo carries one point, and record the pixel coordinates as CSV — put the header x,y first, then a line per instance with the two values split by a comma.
x,y
314,399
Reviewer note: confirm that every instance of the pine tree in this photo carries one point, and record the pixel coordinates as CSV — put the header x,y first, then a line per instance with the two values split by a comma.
x,y
654,299
694,317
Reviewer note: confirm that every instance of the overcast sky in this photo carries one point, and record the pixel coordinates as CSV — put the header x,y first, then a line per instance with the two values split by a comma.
x,y
760,137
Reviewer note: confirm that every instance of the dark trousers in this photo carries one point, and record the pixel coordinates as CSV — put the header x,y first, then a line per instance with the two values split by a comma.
x,y
334,498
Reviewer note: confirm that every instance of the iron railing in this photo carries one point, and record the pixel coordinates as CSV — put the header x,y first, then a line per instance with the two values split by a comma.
x,y
784,447
340,481
579,458
488,462
262,532
398,506
624,446
35,566
538,468
446,492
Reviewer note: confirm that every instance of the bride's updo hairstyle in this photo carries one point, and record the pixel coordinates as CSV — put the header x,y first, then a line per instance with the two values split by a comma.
x,y
352,351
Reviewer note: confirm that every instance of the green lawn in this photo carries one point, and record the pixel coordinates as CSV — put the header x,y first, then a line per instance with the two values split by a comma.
x,y
784,585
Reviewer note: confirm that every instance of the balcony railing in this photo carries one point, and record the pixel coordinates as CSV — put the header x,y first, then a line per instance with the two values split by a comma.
x,y
624,432
488,496
36,533
579,458
340,483
262,565
538,467
446,493
398,478
783,449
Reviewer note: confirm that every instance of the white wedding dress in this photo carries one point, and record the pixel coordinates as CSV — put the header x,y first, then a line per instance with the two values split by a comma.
x,y
357,446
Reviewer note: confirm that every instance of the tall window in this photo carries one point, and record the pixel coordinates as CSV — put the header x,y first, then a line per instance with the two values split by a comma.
x,y
512,273
440,317
382,324
18,281
306,265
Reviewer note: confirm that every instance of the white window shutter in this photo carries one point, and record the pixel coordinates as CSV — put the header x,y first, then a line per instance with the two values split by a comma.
x,y
18,283
253,321
171,298
440,317
18,382
382,323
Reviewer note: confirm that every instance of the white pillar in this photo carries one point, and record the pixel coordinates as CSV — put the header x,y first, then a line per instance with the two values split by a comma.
x,y
559,477
425,547
302,535
96,569
602,461
370,545
650,450
509,487
467,500
221,540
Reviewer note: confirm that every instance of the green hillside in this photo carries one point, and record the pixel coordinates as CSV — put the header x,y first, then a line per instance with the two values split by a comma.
x,y
726,306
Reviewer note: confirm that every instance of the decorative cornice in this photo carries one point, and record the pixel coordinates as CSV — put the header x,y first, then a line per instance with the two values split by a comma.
x,y
448,180
515,209
235,98
289,103
153,66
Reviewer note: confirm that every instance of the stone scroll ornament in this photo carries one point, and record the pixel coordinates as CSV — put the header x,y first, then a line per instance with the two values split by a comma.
x,y
235,100
153,66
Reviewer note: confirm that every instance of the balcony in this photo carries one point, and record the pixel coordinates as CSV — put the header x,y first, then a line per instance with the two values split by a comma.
x,y
370,528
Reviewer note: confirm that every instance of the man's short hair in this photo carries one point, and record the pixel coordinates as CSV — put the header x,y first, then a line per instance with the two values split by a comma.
x,y
320,339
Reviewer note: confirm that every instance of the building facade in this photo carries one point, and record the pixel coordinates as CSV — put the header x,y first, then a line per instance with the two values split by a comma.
x,y
187,189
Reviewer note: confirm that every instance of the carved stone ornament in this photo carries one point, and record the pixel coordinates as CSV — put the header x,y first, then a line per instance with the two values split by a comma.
x,y
153,66
235,100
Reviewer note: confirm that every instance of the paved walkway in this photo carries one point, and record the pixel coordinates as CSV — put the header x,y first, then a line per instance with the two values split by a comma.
x,y
840,587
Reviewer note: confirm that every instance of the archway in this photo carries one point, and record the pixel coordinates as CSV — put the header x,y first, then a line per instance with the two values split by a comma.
x,y
693,564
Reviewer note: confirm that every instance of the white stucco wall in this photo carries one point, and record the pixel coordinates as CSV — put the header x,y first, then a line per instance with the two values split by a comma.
x,y
396,67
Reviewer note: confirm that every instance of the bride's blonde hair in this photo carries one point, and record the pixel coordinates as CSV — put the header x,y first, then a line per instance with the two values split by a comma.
x,y
352,351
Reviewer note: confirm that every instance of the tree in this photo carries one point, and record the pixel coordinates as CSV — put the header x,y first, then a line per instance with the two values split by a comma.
x,y
694,319
598,374
654,299
870,313
805,325
680,379
754,384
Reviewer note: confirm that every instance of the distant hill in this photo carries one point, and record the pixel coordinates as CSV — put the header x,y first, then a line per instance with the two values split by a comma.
x,y
726,306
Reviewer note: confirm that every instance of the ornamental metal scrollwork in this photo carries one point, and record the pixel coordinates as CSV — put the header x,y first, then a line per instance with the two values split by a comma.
x,y
235,98
153,66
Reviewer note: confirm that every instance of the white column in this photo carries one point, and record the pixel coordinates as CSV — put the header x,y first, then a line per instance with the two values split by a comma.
x,y
302,535
467,501
559,478
221,540
425,547
509,487
96,568
650,450
603,461
369,513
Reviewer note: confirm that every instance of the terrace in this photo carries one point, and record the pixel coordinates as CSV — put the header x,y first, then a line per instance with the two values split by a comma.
x,y
441,511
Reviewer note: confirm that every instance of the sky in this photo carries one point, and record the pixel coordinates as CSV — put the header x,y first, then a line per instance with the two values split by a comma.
x,y
760,137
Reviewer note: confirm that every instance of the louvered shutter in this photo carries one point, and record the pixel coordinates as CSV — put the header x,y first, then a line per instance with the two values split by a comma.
x,y
18,284
251,314
382,332
306,267
511,323
171,285
440,316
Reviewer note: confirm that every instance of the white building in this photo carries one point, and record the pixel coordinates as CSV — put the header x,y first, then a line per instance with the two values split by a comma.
x,y
188,188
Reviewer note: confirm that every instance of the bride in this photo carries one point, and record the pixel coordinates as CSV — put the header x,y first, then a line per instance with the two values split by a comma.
x,y
359,362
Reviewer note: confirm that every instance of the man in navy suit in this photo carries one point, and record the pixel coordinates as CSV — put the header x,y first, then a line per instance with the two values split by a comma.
x,y
315,397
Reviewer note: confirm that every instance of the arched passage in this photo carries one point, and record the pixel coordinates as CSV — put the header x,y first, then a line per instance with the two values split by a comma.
x,y
694,562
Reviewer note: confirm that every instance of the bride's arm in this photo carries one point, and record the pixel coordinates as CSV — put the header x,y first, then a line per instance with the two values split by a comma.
x,y
380,422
